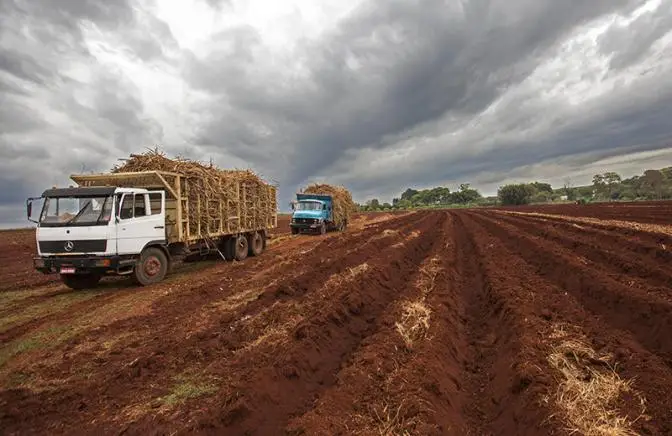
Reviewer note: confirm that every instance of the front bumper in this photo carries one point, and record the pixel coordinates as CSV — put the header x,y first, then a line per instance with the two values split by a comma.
x,y
306,227
82,264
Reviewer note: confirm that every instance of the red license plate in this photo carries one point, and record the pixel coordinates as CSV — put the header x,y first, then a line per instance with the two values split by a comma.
x,y
67,270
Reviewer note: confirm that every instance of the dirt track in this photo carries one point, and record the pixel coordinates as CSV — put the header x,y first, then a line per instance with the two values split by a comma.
x,y
451,322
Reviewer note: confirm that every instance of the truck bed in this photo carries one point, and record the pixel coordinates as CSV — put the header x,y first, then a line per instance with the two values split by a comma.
x,y
192,213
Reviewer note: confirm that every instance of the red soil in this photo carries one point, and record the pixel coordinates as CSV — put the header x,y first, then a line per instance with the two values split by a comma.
x,y
305,339
653,212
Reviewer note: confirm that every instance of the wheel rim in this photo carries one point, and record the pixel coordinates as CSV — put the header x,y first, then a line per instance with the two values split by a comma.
x,y
241,247
152,266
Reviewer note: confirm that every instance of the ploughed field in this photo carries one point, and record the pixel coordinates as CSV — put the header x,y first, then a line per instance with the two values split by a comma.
x,y
521,321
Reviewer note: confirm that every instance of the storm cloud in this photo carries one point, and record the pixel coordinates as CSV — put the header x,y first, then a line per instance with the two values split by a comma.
x,y
378,96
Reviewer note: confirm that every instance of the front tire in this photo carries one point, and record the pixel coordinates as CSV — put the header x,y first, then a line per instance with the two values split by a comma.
x,y
151,267
82,281
323,228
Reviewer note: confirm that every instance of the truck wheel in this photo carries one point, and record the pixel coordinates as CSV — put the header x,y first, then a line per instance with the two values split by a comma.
x,y
151,267
323,228
81,281
242,248
295,231
256,243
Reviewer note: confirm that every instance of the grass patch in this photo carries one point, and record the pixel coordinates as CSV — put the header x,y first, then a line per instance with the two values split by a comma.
x,y
52,305
589,388
42,340
187,388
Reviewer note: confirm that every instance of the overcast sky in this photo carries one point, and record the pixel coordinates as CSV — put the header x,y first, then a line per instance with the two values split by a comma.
x,y
376,95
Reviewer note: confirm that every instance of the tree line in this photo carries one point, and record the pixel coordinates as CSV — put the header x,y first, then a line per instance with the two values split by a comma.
x,y
608,186
427,198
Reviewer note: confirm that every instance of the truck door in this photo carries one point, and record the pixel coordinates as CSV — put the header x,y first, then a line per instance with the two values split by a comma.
x,y
142,219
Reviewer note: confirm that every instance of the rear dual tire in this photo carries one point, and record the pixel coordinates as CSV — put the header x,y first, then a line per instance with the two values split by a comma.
x,y
240,247
256,244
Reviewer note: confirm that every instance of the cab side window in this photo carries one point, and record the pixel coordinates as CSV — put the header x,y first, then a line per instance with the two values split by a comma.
x,y
126,211
139,205
154,203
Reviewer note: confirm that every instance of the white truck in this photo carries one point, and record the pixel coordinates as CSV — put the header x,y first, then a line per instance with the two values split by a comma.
x,y
138,223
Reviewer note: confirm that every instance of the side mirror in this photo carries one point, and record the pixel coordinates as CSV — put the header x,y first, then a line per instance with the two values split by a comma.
x,y
292,205
29,209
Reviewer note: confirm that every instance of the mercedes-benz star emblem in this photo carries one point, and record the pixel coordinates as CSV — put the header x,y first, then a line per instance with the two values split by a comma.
x,y
69,246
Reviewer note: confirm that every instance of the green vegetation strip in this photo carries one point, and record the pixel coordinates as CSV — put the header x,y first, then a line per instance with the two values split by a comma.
x,y
188,387
52,305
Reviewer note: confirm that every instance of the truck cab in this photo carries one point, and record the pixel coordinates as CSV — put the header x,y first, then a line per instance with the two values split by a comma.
x,y
312,213
84,233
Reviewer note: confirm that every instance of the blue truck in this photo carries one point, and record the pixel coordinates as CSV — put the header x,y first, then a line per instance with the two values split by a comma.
x,y
317,213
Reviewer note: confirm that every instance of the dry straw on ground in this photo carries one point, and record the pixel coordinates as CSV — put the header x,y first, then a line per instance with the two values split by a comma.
x,y
414,322
589,388
344,206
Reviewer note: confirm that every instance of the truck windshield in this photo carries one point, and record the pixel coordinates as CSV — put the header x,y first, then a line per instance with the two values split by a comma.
x,y
82,211
309,205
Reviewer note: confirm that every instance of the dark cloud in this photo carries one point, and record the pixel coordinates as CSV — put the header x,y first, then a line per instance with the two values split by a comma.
x,y
628,44
395,94
385,70
24,67
53,120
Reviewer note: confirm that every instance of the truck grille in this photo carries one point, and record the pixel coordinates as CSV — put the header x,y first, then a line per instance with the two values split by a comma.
x,y
77,246
305,220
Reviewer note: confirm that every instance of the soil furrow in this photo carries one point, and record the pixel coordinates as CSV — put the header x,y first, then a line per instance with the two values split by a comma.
x,y
547,305
501,347
611,257
113,367
263,390
652,212
393,383
647,317
656,246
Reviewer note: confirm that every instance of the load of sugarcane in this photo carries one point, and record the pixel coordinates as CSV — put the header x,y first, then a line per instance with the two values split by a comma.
x,y
241,191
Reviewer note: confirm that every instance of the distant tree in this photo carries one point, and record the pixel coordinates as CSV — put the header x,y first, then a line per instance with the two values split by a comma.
x,y
395,202
405,204
516,194
465,194
542,187
654,180
408,194
439,195
599,184
667,173
612,180
540,197
386,206
568,190
373,204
